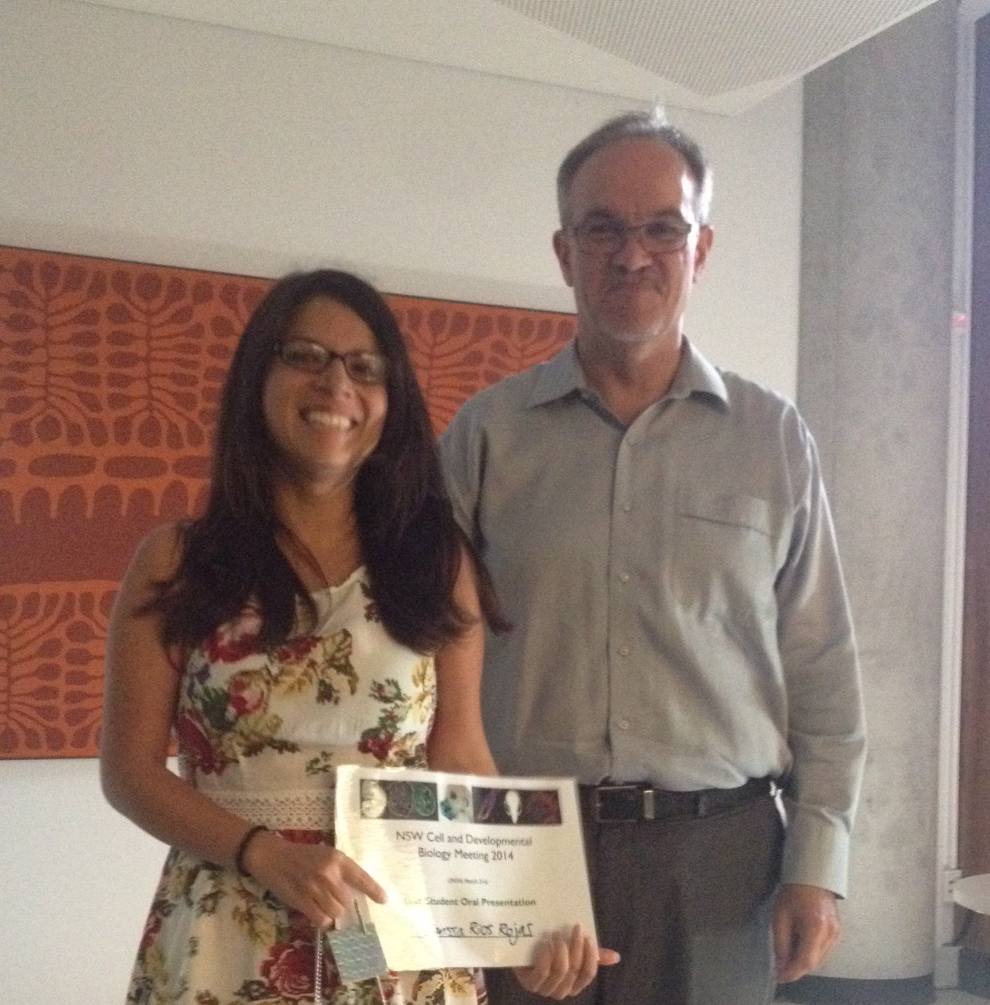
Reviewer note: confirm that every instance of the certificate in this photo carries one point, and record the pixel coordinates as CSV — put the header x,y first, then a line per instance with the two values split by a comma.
x,y
478,870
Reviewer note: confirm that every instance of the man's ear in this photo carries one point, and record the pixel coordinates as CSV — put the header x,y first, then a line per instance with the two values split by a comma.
x,y
562,249
706,237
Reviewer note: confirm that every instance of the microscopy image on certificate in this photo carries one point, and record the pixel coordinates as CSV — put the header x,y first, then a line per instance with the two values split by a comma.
x,y
477,870
508,805
395,800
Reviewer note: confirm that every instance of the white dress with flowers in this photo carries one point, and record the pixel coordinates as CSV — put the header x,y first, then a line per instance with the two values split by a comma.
x,y
261,735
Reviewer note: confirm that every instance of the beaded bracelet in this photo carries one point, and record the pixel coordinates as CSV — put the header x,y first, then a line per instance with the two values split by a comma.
x,y
242,847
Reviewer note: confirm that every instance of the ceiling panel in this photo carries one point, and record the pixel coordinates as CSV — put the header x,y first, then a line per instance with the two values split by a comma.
x,y
715,46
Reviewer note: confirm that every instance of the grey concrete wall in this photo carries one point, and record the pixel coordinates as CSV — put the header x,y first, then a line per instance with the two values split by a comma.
x,y
873,383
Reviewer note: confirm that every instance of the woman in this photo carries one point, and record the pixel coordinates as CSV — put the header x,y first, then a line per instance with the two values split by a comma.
x,y
324,610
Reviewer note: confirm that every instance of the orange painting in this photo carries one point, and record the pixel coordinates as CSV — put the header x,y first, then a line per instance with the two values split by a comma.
x,y
110,374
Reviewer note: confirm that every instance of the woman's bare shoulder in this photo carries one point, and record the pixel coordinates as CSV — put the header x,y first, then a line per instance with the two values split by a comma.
x,y
159,552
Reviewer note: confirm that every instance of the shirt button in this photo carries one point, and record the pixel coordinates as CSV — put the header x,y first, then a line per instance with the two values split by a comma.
x,y
626,507
623,650
623,577
623,724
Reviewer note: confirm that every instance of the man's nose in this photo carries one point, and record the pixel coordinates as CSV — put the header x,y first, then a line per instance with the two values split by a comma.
x,y
632,253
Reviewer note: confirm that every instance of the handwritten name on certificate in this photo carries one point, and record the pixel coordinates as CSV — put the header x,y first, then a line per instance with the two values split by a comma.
x,y
478,870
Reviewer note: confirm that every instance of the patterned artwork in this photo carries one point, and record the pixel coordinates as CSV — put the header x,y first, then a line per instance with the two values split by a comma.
x,y
110,375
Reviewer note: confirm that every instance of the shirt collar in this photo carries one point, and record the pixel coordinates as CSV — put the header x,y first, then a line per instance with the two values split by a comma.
x,y
696,375
558,377
562,375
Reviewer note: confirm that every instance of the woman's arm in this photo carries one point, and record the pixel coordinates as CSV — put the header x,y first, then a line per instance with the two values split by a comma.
x,y
141,690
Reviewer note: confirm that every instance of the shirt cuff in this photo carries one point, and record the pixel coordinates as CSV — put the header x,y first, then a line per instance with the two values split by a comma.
x,y
816,849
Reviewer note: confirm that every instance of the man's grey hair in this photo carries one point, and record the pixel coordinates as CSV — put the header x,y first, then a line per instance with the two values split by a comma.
x,y
651,125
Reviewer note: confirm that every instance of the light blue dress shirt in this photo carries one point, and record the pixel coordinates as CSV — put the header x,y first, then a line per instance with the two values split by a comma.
x,y
679,611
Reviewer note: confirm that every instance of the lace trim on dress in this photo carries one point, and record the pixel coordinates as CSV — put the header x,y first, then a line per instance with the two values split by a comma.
x,y
298,809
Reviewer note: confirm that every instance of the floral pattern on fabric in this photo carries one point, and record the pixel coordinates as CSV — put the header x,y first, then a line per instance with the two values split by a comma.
x,y
384,741
255,722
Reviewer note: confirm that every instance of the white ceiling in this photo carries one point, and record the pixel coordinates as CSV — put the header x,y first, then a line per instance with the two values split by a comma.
x,y
718,56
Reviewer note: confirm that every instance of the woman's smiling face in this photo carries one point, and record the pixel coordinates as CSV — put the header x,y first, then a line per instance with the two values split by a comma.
x,y
325,425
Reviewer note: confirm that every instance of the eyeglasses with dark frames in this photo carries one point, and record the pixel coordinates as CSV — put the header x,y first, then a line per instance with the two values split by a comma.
x,y
605,235
360,365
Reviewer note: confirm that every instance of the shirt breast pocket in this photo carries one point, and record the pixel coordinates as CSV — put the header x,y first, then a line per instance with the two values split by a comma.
x,y
723,556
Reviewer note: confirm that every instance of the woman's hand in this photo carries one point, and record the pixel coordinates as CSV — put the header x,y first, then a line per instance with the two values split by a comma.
x,y
315,879
565,965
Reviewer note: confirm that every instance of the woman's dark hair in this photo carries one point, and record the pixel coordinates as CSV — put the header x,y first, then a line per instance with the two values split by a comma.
x,y
410,542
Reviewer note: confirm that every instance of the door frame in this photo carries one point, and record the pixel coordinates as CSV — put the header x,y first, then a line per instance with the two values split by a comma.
x,y
947,956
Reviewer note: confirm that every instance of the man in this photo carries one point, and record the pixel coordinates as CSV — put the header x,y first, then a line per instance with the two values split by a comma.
x,y
659,535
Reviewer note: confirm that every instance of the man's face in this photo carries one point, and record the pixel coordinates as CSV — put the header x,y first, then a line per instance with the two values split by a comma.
x,y
634,294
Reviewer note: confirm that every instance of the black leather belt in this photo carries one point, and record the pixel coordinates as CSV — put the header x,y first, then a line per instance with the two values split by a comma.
x,y
608,804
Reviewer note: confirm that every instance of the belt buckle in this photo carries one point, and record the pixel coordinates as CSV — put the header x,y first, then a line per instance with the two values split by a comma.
x,y
636,804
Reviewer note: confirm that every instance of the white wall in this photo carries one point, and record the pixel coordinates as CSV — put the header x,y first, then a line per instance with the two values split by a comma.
x,y
164,141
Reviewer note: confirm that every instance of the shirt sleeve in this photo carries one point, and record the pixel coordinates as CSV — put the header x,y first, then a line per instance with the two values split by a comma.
x,y
826,724
462,462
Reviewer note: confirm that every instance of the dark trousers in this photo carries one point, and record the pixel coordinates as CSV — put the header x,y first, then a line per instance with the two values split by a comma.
x,y
686,902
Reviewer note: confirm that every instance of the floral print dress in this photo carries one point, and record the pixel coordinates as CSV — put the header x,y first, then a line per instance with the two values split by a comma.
x,y
261,734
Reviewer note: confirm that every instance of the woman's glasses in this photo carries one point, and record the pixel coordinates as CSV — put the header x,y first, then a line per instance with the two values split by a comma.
x,y
312,357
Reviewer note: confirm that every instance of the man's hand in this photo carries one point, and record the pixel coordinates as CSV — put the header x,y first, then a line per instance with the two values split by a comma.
x,y
806,926
565,966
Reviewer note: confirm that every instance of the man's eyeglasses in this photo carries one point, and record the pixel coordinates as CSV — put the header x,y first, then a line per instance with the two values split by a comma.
x,y
605,236
311,357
